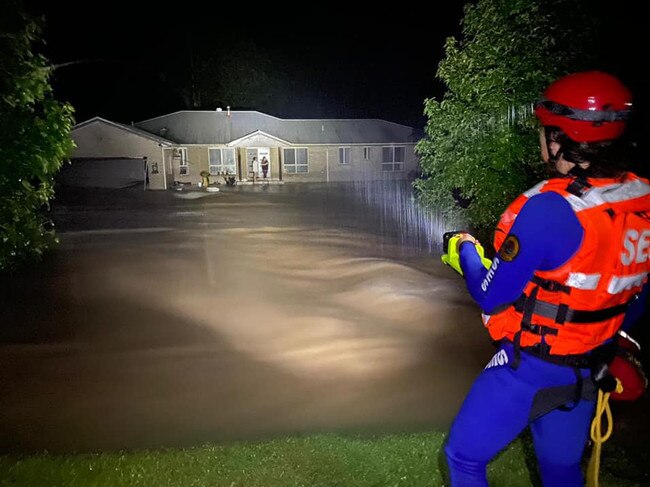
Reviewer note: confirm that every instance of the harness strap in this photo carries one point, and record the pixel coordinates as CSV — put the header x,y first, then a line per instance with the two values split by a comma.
x,y
528,308
542,351
549,285
562,313
579,186
577,392
516,355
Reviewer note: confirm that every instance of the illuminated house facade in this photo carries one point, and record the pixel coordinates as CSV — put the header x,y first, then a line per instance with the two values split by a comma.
x,y
176,148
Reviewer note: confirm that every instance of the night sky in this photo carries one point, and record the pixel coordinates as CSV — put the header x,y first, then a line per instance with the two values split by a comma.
x,y
328,62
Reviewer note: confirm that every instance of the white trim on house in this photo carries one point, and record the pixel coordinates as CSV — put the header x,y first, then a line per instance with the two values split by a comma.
x,y
317,144
353,144
164,165
128,128
239,142
233,112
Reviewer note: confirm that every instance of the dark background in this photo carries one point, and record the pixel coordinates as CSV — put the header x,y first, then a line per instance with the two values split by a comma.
x,y
343,61
380,64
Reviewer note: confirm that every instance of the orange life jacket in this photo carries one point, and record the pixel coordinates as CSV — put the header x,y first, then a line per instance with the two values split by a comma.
x,y
578,306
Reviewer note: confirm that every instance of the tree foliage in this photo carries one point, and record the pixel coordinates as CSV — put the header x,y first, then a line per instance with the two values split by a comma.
x,y
34,139
481,145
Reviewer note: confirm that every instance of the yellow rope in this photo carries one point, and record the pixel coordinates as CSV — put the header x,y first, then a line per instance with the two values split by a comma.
x,y
602,406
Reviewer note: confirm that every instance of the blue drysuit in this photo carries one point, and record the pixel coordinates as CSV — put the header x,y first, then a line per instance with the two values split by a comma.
x,y
498,406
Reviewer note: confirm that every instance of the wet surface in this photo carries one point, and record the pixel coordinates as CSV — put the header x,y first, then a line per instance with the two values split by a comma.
x,y
172,319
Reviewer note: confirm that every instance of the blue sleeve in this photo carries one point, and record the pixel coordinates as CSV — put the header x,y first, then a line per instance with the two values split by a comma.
x,y
548,232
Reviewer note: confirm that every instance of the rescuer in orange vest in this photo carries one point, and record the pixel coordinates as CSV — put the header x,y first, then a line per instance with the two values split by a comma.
x,y
571,270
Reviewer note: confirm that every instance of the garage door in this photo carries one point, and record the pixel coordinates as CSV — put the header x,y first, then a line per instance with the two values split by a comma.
x,y
111,172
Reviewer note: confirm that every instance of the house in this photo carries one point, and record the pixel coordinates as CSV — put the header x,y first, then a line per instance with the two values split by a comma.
x,y
177,147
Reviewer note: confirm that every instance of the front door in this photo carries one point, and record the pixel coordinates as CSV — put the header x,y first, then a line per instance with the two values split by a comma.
x,y
264,158
258,159
251,157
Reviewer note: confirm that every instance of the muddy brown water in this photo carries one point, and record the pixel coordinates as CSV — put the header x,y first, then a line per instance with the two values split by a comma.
x,y
173,319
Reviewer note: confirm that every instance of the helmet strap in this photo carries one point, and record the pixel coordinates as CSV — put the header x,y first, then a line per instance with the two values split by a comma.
x,y
552,158
578,172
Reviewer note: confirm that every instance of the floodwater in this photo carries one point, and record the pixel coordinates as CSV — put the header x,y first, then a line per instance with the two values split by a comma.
x,y
177,318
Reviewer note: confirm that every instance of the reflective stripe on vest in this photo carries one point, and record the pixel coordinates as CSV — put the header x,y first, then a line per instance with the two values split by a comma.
x,y
579,280
612,193
619,284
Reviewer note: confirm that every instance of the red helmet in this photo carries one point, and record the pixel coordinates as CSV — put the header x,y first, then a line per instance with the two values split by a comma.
x,y
588,107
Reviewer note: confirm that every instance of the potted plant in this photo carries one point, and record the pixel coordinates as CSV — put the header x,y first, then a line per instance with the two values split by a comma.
x,y
229,179
205,178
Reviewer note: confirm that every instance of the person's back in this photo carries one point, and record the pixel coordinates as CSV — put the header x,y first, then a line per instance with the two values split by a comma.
x,y
573,253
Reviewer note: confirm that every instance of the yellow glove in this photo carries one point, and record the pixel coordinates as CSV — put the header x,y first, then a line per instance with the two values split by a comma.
x,y
487,263
452,257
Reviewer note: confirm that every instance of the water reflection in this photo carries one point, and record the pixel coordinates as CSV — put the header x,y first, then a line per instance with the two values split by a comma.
x,y
400,214
166,320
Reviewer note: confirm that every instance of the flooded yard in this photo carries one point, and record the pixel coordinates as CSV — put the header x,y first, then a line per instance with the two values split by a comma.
x,y
176,318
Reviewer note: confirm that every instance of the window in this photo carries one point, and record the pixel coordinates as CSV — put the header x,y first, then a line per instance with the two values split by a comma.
x,y
344,155
180,155
154,168
296,161
366,153
392,158
221,161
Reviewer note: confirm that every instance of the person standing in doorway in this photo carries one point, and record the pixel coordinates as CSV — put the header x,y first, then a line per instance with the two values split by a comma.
x,y
255,166
265,166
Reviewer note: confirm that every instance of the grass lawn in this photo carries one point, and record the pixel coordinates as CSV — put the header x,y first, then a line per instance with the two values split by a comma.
x,y
319,460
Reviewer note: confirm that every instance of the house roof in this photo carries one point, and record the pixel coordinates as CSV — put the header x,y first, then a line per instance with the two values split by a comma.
x,y
221,127
128,128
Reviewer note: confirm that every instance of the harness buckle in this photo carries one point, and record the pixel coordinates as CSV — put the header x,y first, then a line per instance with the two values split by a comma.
x,y
549,285
535,329
554,286
539,330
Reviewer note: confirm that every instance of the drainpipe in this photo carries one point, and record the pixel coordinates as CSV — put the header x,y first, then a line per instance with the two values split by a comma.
x,y
164,168
327,164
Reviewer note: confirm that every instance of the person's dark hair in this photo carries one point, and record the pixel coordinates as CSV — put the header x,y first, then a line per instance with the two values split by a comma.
x,y
607,159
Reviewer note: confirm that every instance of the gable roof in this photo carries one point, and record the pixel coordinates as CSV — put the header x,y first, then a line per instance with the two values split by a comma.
x,y
221,127
255,135
129,128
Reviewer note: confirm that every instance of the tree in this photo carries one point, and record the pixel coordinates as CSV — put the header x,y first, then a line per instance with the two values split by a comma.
x,y
34,139
481,147
238,74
